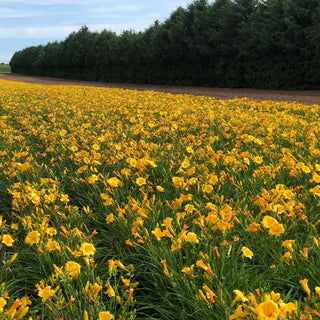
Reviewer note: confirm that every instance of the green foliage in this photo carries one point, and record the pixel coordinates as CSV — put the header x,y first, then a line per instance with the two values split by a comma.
x,y
270,44
4,67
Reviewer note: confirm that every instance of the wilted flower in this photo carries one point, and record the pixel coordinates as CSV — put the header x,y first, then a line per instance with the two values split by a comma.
x,y
305,287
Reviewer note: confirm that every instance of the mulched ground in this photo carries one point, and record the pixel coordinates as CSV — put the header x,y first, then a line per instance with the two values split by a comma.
x,y
306,97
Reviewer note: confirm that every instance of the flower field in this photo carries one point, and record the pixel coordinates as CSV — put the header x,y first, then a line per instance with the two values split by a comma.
x,y
118,204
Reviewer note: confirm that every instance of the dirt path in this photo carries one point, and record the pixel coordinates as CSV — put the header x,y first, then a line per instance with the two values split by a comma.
x,y
305,97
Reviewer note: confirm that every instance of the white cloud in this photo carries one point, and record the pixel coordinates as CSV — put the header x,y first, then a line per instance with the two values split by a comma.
x,y
113,11
5,57
11,13
153,15
56,33
37,32
127,8
50,2
178,3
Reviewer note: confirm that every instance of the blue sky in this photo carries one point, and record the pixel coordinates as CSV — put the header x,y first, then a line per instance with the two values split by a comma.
x,y
25,23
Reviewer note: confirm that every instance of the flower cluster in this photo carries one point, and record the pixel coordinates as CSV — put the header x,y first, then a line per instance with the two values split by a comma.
x,y
118,204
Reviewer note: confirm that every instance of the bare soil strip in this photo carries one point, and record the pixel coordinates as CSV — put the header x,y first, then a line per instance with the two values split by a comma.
x,y
306,97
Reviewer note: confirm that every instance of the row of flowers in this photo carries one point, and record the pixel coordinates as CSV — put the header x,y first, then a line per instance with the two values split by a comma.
x,y
105,189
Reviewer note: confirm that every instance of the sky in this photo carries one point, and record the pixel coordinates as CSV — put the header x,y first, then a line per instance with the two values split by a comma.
x,y
25,23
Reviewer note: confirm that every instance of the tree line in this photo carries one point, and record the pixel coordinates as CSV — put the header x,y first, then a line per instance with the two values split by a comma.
x,y
272,44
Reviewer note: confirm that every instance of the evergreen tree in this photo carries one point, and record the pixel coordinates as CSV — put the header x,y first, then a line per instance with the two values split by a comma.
x,y
228,43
